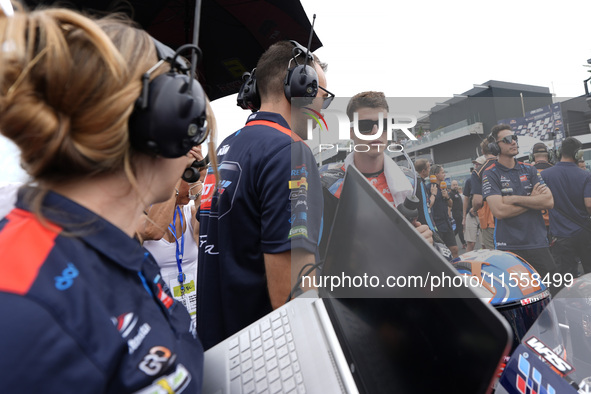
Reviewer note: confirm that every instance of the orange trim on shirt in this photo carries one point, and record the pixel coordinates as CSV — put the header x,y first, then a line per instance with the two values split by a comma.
x,y
25,244
276,126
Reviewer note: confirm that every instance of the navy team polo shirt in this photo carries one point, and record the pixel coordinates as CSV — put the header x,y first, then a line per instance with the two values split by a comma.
x,y
269,200
521,232
440,209
476,176
570,185
85,309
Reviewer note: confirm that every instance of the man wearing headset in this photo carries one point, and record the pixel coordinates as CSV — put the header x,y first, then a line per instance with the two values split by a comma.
x,y
262,223
569,220
516,194
540,158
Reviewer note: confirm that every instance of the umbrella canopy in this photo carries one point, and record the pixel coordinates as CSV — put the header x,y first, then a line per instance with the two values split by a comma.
x,y
232,33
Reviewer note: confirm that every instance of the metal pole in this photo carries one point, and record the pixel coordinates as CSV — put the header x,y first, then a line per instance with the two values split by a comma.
x,y
196,25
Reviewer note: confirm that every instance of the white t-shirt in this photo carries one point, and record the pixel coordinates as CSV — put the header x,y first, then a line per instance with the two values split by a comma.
x,y
164,253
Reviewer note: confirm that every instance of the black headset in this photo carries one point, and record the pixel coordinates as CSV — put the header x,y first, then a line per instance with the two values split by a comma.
x,y
169,117
248,96
301,80
493,146
577,156
192,173
550,153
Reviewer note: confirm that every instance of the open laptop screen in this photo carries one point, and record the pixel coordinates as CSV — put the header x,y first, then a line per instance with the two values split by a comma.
x,y
410,338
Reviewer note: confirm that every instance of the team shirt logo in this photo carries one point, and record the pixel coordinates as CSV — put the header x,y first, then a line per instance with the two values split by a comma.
x,y
125,323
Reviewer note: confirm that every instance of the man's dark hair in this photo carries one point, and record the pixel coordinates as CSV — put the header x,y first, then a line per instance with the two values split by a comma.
x,y
569,147
421,165
497,129
366,100
273,65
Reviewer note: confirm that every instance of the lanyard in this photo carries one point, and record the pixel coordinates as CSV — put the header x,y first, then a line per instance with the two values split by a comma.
x,y
426,208
179,250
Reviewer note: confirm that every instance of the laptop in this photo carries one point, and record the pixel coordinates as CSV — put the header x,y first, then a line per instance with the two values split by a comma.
x,y
374,338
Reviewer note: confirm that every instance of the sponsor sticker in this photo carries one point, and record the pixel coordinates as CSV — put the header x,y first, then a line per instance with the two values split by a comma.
x,y
157,360
134,343
536,298
163,297
174,382
302,182
298,231
561,365
125,323
66,279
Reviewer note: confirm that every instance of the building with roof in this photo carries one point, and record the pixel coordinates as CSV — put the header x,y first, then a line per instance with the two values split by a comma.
x,y
450,131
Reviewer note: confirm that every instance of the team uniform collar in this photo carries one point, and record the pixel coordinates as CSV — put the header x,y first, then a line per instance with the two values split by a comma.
x,y
566,164
269,116
517,164
92,229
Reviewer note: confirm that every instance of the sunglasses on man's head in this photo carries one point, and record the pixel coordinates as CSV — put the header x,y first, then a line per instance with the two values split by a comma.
x,y
508,139
365,126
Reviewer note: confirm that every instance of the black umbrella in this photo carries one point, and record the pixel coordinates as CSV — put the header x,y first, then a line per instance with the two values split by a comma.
x,y
232,33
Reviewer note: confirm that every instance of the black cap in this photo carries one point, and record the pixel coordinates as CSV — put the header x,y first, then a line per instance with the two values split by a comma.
x,y
540,147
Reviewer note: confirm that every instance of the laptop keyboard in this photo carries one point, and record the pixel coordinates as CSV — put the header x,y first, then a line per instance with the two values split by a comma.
x,y
263,359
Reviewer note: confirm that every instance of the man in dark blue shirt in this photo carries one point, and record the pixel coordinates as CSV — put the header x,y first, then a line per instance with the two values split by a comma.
x,y
569,220
440,202
262,222
516,194
457,211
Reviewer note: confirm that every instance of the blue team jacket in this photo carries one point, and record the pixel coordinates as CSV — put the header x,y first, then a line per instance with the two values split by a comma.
x,y
84,309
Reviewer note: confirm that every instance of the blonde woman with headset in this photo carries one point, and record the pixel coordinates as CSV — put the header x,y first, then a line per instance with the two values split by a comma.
x,y
84,305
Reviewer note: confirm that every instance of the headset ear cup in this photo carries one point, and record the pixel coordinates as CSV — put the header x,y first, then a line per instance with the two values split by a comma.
x,y
248,96
173,121
494,148
301,81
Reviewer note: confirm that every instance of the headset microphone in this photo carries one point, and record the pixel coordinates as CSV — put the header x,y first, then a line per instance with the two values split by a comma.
x,y
301,80
191,173
310,40
248,96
